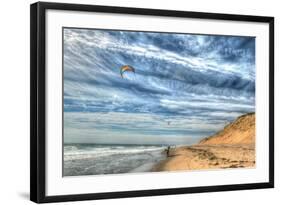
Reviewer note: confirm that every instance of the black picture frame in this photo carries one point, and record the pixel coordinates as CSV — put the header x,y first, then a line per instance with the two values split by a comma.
x,y
38,101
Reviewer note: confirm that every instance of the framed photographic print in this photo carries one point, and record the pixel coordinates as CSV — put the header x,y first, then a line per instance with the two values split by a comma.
x,y
129,102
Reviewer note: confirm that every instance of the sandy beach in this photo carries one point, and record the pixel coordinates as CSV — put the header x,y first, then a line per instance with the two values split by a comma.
x,y
232,147
198,157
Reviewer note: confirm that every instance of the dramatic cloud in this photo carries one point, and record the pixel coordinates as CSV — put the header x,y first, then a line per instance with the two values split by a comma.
x,y
185,86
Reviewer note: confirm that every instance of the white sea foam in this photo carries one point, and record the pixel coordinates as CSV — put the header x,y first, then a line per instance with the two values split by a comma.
x,y
110,159
86,152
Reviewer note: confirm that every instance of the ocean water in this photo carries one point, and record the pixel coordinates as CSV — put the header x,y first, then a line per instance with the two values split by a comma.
x,y
94,159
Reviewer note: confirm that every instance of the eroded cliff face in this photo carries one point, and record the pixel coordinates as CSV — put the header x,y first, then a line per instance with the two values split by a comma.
x,y
241,131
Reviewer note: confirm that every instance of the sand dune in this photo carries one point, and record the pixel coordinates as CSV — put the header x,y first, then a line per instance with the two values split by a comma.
x,y
241,131
233,147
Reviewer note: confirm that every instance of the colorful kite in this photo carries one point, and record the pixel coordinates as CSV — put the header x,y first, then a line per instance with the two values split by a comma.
x,y
126,68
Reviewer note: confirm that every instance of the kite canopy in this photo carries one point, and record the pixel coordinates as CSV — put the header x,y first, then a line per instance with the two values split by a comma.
x,y
125,68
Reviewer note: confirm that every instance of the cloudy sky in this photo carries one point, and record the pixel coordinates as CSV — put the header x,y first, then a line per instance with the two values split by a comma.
x,y
185,86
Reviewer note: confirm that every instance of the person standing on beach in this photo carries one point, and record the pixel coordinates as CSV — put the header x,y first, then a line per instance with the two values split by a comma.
x,y
168,150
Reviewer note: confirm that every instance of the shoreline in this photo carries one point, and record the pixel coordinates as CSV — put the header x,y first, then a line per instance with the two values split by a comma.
x,y
200,157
